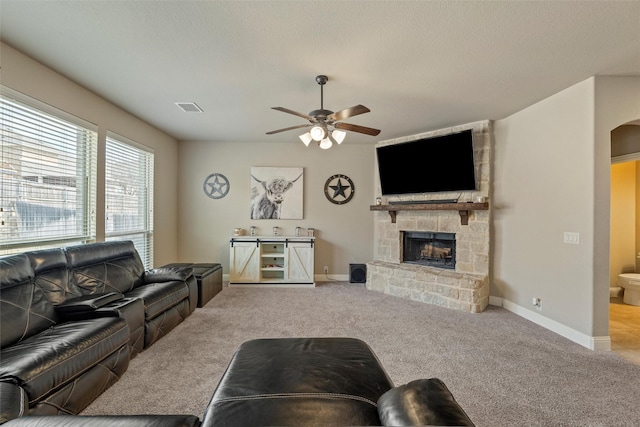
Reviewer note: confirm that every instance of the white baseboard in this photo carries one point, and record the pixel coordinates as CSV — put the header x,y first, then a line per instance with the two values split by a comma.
x,y
602,343
331,277
317,277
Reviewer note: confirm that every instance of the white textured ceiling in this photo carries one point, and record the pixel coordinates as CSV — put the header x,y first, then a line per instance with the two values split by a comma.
x,y
418,65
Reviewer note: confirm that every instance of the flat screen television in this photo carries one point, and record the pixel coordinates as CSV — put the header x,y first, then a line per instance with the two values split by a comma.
x,y
428,165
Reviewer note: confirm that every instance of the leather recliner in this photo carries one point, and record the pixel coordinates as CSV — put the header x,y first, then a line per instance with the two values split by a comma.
x,y
72,318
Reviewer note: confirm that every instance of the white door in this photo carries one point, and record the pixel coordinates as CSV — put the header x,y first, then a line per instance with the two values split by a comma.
x,y
244,262
300,265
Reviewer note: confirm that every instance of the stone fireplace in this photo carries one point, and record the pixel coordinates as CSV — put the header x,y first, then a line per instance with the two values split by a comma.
x,y
453,258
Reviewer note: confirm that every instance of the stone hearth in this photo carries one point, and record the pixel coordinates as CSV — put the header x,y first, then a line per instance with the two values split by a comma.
x,y
467,287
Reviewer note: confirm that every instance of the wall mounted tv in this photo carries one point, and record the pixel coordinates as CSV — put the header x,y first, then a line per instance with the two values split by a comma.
x,y
428,165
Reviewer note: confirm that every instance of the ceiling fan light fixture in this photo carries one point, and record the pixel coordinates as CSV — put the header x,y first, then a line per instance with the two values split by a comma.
x,y
338,135
327,126
306,138
325,144
318,133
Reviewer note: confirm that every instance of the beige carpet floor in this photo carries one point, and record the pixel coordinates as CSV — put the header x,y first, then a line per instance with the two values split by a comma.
x,y
502,369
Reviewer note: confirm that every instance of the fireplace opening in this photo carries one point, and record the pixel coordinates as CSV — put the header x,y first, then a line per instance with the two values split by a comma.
x,y
432,249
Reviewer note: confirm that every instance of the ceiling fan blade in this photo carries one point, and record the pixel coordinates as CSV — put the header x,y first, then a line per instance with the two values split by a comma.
x,y
348,112
295,113
356,128
289,128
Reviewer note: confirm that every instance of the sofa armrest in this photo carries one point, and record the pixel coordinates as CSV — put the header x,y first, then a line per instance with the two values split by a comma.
x,y
167,274
13,401
87,303
425,402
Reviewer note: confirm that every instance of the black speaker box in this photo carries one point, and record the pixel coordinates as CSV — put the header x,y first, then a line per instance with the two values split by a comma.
x,y
357,273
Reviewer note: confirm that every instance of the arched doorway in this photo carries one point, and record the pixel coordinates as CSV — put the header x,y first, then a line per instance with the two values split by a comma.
x,y
624,319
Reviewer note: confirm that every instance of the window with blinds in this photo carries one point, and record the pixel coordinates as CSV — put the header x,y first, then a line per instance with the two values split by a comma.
x,y
48,162
129,195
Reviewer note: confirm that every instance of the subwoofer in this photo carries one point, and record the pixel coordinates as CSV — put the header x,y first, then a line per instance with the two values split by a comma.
x,y
357,273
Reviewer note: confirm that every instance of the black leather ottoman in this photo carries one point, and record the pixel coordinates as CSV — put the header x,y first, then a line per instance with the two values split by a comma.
x,y
299,381
209,277
323,382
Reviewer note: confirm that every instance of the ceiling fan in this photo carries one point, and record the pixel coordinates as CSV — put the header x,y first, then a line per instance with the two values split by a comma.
x,y
326,126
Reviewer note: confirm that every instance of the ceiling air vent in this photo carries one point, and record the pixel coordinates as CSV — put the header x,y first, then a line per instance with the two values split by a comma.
x,y
189,107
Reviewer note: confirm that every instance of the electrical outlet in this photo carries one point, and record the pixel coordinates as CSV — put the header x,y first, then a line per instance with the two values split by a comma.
x,y
537,303
326,269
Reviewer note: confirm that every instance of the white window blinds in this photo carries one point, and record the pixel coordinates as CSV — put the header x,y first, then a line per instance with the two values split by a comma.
x,y
129,195
47,176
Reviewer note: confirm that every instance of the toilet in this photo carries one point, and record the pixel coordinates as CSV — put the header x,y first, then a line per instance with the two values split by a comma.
x,y
631,284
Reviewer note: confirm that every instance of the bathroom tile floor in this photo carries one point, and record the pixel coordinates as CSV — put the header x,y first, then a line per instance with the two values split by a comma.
x,y
624,330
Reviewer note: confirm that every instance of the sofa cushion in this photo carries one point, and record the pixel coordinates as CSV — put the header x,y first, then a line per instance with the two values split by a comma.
x,y
105,267
24,309
51,358
158,297
52,275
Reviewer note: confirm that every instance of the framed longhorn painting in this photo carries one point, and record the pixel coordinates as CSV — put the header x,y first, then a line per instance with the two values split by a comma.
x,y
276,193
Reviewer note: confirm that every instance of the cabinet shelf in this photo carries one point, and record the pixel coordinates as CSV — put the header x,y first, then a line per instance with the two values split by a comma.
x,y
462,208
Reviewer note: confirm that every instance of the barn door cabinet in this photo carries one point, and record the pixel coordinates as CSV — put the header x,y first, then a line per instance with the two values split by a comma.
x,y
271,261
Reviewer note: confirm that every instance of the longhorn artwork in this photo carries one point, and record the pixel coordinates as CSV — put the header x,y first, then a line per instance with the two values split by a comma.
x,y
276,193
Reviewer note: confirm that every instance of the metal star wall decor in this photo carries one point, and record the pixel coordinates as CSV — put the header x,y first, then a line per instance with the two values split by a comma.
x,y
339,189
216,186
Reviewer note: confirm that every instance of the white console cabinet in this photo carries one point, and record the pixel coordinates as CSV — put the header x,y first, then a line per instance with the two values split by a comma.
x,y
271,261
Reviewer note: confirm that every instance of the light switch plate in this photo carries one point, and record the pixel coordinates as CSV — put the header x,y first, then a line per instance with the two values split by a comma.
x,y
572,237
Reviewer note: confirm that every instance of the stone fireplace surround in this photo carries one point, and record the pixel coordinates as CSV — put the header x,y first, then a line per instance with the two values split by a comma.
x,y
467,287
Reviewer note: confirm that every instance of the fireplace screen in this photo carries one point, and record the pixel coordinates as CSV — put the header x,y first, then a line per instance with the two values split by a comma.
x,y
430,249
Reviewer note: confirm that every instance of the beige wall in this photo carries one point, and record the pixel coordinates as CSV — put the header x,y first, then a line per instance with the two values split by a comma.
x,y
344,232
542,188
31,78
624,192
552,174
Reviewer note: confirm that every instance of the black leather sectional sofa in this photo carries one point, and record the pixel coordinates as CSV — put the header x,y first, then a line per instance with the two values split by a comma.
x,y
71,319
